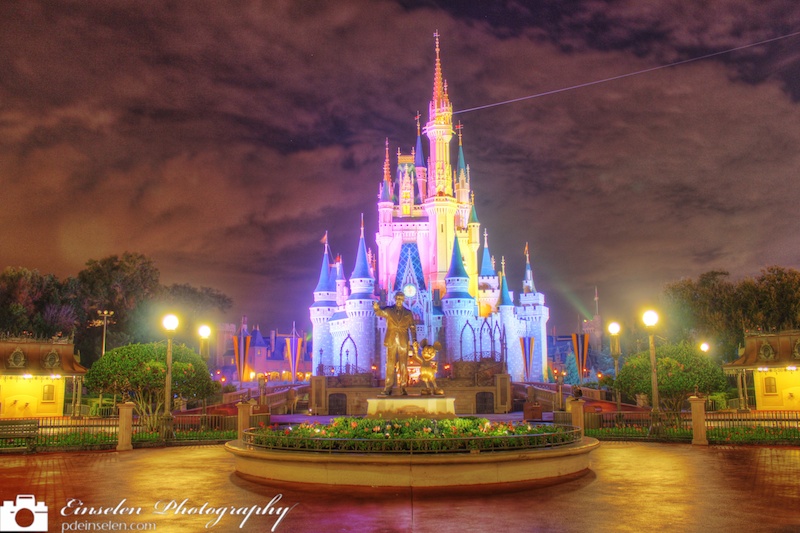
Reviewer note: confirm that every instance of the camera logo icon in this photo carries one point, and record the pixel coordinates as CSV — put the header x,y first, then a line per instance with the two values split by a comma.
x,y
23,514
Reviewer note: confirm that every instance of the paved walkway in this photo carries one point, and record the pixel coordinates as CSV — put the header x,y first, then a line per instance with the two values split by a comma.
x,y
631,487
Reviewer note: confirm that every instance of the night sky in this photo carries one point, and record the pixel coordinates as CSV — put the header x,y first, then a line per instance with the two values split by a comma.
x,y
223,139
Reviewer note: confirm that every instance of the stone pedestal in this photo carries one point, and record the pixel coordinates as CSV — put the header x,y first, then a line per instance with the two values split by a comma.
x,y
578,418
698,420
243,410
436,407
125,433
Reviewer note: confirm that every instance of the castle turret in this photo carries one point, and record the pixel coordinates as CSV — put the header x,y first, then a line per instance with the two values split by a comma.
x,y
385,234
322,310
533,315
361,316
473,243
440,205
488,282
420,167
458,305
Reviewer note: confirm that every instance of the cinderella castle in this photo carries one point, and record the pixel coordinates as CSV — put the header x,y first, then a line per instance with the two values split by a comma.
x,y
428,244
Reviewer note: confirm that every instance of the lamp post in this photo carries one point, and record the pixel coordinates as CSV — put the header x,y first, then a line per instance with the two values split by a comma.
x,y
559,375
205,333
170,323
614,329
105,315
650,319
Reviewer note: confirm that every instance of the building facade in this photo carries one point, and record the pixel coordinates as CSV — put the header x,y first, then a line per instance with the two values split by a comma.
x,y
34,376
428,246
771,360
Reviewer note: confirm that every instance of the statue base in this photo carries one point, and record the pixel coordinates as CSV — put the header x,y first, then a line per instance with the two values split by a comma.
x,y
436,407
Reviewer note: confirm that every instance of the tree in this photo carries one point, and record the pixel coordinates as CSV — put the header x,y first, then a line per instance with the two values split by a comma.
x,y
138,372
704,309
33,302
713,307
682,369
119,284
572,377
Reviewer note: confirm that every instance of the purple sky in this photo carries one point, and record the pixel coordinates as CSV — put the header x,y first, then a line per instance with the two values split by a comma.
x,y
223,139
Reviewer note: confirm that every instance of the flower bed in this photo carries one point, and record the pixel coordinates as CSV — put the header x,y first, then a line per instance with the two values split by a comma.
x,y
361,435
754,435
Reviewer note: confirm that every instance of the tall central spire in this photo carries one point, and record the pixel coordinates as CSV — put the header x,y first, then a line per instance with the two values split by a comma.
x,y
438,81
439,130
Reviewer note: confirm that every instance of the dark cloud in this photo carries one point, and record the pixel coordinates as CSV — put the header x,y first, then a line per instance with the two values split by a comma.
x,y
224,139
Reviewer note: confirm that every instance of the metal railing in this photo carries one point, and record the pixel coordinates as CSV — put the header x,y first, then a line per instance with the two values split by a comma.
x,y
669,426
95,433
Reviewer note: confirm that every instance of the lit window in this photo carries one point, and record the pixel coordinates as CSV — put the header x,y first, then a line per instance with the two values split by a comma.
x,y
48,393
770,386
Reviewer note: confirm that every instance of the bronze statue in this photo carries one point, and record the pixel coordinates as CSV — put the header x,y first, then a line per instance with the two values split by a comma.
x,y
428,365
399,327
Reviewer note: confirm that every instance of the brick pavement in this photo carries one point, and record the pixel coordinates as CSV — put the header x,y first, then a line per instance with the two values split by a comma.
x,y
631,487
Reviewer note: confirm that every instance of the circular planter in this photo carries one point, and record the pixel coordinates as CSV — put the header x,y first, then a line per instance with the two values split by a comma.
x,y
517,467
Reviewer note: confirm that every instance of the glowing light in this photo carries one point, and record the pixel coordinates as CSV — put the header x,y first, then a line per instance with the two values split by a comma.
x,y
205,332
791,367
614,328
650,318
170,322
705,347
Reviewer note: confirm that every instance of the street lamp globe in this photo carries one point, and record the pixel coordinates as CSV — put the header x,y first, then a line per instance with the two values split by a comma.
x,y
614,328
205,332
170,323
704,347
650,318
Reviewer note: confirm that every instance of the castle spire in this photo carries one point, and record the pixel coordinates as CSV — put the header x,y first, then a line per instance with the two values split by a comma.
x,y
387,174
324,283
461,168
487,263
439,93
457,269
505,297
361,270
385,191
527,283
596,302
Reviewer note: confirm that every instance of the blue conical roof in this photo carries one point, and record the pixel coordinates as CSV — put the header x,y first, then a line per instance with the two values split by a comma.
x,y
473,216
361,270
419,159
462,166
487,269
324,283
457,269
505,298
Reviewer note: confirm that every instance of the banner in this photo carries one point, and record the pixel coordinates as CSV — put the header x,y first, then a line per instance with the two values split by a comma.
x,y
580,345
294,346
527,345
241,347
